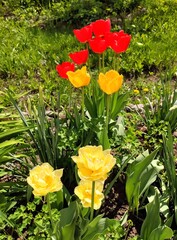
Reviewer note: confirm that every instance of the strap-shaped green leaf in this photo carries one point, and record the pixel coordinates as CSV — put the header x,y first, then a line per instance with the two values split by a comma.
x,y
134,177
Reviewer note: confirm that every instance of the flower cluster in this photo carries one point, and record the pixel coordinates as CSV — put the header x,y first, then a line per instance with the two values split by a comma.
x,y
93,164
98,38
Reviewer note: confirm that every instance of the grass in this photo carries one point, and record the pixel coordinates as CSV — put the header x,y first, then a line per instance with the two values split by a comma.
x,y
29,53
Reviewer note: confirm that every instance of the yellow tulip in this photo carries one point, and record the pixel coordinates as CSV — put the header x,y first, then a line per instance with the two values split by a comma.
x,y
110,82
79,78
44,179
84,192
93,163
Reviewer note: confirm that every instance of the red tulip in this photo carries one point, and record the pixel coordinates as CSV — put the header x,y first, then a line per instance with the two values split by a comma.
x,y
79,57
101,27
84,34
98,44
119,41
63,68
110,37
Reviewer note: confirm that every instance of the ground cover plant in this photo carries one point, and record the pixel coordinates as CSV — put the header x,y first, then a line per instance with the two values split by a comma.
x,y
88,120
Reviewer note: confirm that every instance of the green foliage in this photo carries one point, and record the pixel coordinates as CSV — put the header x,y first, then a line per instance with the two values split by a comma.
x,y
150,37
26,217
158,111
170,168
29,54
140,175
35,37
70,223
154,230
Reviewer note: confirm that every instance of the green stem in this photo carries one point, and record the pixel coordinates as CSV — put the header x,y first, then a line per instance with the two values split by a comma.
x,y
83,105
103,61
105,136
49,209
92,201
99,62
54,231
108,101
70,96
82,115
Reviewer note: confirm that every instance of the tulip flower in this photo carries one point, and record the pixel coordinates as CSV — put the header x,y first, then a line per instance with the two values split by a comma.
x,y
79,78
110,82
119,41
84,34
98,45
84,192
63,68
80,57
94,163
44,179
101,27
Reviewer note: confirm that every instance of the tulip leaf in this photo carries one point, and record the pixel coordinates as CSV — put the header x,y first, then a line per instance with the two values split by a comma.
x,y
99,226
135,183
77,117
68,221
100,106
152,230
161,233
104,139
90,106
117,104
152,212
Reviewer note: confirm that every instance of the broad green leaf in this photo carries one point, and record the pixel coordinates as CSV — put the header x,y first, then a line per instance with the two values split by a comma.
x,y
90,106
148,177
100,106
68,221
99,226
77,117
91,228
118,103
170,168
161,233
152,220
104,139
134,178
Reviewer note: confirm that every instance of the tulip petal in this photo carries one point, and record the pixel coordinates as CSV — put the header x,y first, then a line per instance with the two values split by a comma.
x,y
79,78
110,82
101,27
44,179
80,57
